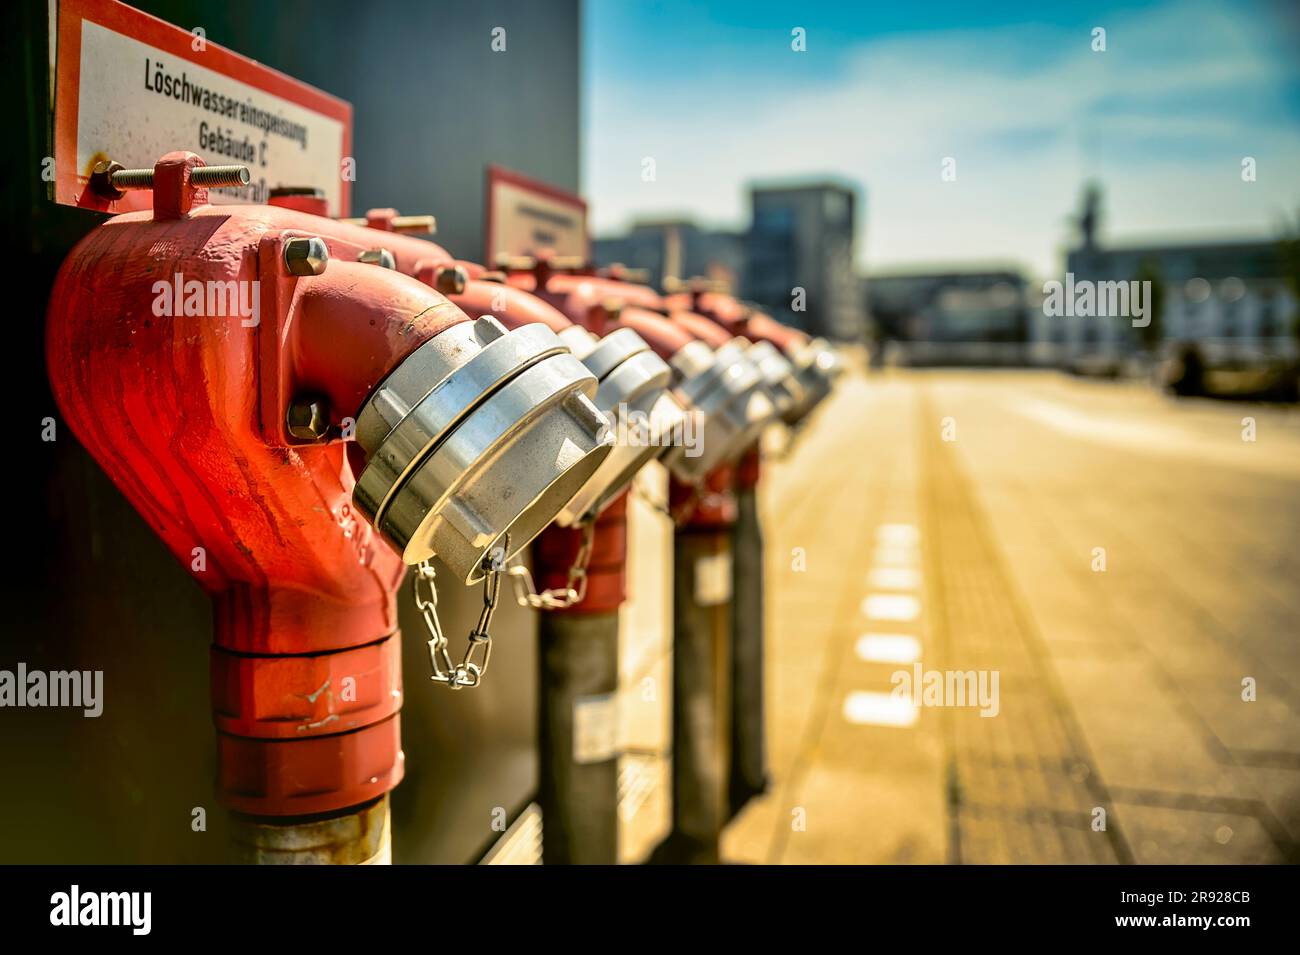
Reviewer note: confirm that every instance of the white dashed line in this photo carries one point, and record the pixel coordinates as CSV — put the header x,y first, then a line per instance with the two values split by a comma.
x,y
878,709
888,648
891,607
894,578
894,555
905,535
894,567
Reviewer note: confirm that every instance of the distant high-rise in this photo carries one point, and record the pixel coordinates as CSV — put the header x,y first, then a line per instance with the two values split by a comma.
x,y
800,265
676,248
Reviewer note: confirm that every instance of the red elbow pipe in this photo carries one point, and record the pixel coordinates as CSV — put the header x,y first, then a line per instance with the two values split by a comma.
x,y
511,306
700,327
186,414
723,310
665,337
585,299
762,327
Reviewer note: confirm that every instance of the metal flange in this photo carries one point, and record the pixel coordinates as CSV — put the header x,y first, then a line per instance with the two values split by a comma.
x,y
757,406
633,381
481,433
816,367
727,389
714,422
778,375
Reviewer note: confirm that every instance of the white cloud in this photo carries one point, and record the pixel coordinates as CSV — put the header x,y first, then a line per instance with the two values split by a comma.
x,y
1028,112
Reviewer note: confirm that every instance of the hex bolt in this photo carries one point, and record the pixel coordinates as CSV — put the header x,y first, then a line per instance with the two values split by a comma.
x,y
307,418
515,263
450,279
380,257
112,181
423,224
306,255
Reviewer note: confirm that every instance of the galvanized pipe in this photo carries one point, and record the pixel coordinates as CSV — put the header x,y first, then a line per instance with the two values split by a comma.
x,y
359,835
749,773
577,726
577,785
702,580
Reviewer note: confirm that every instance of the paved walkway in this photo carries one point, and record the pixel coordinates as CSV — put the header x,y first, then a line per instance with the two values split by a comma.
x,y
1117,562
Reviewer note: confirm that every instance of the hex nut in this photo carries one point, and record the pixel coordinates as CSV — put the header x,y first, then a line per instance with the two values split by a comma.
x,y
380,257
307,419
306,255
613,308
101,180
450,279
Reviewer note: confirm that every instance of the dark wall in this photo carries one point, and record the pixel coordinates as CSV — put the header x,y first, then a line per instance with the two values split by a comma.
x,y
88,585
433,103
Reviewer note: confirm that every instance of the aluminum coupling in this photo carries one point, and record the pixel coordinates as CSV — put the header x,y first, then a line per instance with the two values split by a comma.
x,y
478,440
816,367
783,386
726,389
642,414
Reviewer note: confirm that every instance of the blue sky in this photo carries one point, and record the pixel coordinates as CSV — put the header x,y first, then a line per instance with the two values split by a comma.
x,y
1012,91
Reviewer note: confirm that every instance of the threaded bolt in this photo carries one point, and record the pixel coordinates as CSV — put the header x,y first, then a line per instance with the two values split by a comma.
x,y
425,224
124,179
112,181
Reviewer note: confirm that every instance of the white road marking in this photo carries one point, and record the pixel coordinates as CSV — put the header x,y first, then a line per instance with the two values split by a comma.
x,y
891,607
893,555
888,648
894,578
905,535
878,709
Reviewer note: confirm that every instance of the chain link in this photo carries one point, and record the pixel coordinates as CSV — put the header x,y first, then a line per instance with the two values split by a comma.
x,y
684,507
468,673
575,588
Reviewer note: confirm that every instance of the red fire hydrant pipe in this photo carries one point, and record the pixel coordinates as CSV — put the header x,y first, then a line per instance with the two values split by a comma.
x,y
702,583
578,645
748,769
183,412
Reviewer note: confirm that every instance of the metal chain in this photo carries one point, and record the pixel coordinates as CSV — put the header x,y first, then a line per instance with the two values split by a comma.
x,y
467,673
575,587
649,501
675,516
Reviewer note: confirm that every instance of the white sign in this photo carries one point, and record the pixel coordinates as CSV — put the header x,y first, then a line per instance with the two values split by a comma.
x,y
526,217
595,728
133,98
713,579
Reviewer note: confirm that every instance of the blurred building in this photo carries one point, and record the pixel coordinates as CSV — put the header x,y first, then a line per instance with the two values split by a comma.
x,y
676,248
950,317
1230,300
800,261
1231,304
796,260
